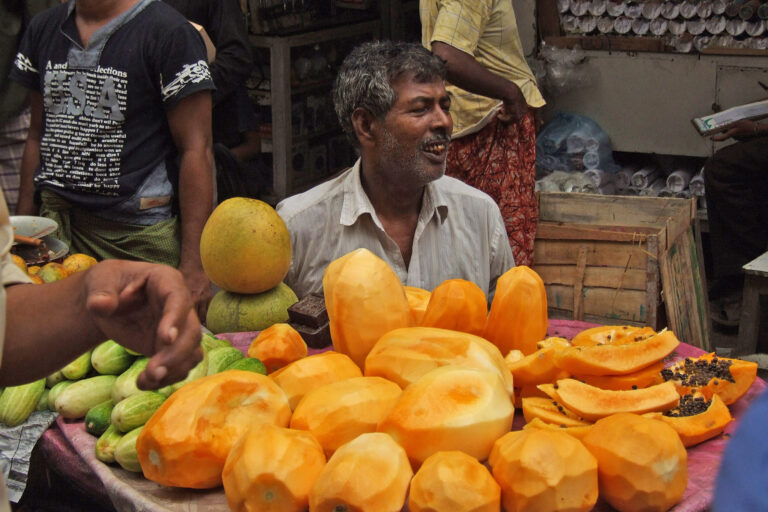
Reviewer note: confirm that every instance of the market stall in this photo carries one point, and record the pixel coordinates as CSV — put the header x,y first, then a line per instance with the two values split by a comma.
x,y
69,449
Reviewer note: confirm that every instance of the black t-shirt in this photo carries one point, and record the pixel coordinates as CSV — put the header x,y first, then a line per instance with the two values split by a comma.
x,y
106,143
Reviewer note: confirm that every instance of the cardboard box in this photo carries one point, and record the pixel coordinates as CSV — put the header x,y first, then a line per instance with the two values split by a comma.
x,y
616,259
210,49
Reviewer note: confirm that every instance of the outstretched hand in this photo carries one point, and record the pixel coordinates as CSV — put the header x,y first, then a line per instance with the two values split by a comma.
x,y
739,130
146,308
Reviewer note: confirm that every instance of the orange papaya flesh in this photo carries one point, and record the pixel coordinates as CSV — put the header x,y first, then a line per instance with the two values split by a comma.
x,y
697,419
710,375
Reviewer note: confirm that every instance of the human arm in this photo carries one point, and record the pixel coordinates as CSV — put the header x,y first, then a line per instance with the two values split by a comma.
x,y
464,71
234,61
190,124
743,129
145,307
30,159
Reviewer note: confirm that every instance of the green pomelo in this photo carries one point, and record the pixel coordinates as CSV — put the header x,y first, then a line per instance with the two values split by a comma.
x,y
235,312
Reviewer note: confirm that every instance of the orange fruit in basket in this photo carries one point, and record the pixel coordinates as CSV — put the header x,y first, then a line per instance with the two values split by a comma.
x,y
78,261
36,279
51,272
33,270
19,262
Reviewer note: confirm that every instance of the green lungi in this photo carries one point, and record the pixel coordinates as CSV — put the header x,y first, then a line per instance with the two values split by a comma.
x,y
104,239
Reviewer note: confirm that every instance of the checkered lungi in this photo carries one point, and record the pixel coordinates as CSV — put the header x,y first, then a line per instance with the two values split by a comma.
x,y
500,160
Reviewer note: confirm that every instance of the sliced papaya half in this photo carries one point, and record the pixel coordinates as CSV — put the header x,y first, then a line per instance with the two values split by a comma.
x,y
550,411
613,359
536,368
648,376
592,403
525,391
553,341
611,334
710,375
696,420
578,431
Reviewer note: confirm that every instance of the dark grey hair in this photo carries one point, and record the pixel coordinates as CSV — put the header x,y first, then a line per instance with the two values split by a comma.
x,y
367,73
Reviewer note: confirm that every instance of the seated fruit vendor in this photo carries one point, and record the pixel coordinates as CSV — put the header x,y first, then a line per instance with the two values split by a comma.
x,y
145,307
391,101
119,147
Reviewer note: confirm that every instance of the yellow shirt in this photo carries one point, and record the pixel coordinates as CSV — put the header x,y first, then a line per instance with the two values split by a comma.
x,y
487,30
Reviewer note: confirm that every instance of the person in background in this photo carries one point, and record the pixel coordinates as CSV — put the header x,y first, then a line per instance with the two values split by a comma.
x,y
119,149
14,99
493,97
735,185
395,201
237,145
740,483
145,307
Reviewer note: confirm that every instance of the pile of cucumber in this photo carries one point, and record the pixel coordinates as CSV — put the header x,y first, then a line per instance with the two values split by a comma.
x,y
100,387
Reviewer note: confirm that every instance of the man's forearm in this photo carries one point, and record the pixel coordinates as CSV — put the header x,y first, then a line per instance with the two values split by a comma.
x,y
35,348
196,203
465,72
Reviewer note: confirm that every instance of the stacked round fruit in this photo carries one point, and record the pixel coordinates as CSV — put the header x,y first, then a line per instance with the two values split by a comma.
x,y
245,249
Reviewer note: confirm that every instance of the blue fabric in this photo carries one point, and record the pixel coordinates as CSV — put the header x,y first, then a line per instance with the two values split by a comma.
x,y
742,480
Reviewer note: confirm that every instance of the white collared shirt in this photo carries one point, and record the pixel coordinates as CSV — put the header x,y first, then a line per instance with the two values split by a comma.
x,y
459,234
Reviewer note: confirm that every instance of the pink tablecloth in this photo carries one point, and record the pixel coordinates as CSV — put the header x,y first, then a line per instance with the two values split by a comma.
x,y
70,449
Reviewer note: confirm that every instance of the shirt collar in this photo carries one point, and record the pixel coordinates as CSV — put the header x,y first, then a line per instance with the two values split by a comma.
x,y
356,202
100,37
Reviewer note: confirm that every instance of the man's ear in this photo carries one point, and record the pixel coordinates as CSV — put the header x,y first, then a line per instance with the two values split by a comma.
x,y
363,122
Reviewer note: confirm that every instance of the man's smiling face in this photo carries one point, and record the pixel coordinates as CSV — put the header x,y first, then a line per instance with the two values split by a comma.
x,y
416,131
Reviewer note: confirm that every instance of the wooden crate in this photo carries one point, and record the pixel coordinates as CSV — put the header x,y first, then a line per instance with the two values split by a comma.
x,y
616,259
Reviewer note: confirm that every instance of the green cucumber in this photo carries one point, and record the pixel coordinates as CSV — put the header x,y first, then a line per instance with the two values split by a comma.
x,y
55,391
134,411
97,419
18,402
75,400
109,358
249,364
106,444
42,404
210,342
54,379
78,368
199,370
125,451
220,358
125,385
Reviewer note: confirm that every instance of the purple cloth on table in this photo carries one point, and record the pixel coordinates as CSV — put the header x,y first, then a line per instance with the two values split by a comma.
x,y
64,445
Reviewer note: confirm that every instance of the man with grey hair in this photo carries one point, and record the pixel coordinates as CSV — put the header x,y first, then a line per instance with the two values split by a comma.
x,y
395,200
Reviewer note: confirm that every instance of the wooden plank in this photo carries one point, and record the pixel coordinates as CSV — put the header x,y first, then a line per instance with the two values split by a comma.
x,y
609,43
673,214
652,297
547,19
578,285
571,231
685,295
595,319
626,305
604,277
608,254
